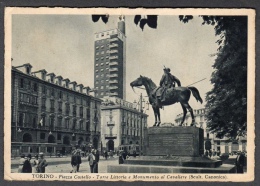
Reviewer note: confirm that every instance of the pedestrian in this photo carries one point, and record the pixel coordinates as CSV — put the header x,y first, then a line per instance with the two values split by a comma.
x,y
74,161
106,154
96,154
35,164
92,161
21,162
79,160
214,153
124,155
27,167
240,162
218,153
121,158
206,153
210,153
42,163
134,153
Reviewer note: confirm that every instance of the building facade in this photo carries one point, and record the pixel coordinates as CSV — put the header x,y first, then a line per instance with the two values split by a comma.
x,y
121,124
50,113
223,145
109,61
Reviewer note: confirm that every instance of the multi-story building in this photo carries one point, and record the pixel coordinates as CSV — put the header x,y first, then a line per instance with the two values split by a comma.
x,y
109,60
224,145
50,113
121,124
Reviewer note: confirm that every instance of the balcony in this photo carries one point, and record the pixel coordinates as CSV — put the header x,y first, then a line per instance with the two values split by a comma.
x,y
113,81
113,57
113,45
113,87
114,94
64,129
110,136
28,104
113,39
113,63
113,70
110,123
113,75
113,51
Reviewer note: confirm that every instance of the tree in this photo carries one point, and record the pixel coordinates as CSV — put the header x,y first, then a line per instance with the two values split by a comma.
x,y
227,101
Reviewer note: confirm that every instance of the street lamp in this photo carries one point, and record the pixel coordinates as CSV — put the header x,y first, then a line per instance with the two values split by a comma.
x,y
141,103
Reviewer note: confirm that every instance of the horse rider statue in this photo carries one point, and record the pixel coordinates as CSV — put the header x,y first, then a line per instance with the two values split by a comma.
x,y
167,81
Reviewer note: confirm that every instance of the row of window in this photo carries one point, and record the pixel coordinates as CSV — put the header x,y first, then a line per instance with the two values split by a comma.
x,y
29,85
67,108
67,96
130,132
102,46
102,58
27,98
103,52
106,33
29,120
102,70
103,75
101,64
102,81
102,87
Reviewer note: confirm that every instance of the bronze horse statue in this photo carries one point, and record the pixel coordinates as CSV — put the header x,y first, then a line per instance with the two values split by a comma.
x,y
172,95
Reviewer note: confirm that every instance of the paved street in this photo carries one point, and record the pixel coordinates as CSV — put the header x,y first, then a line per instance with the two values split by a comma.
x,y
62,165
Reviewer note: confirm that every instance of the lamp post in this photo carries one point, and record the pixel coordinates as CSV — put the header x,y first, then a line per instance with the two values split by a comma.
x,y
140,104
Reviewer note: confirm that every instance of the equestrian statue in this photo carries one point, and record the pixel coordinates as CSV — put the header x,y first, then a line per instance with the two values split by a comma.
x,y
167,94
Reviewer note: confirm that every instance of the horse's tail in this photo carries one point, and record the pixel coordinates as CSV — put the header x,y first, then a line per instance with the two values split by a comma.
x,y
195,93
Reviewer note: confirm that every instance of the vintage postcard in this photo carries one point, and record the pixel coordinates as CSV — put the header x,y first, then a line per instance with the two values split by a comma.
x,y
129,94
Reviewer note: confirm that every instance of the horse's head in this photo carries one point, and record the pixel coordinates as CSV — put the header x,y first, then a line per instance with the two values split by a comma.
x,y
138,82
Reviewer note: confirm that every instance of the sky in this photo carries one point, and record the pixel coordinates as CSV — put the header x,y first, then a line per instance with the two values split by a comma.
x,y
64,45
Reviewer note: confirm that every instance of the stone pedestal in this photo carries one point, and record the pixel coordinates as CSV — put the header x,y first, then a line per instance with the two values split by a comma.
x,y
175,141
172,150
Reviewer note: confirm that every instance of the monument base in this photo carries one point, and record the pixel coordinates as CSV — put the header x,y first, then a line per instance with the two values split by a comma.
x,y
123,168
174,161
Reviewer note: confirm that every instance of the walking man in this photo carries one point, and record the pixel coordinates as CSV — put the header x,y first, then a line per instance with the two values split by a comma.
x,y
42,163
97,155
79,160
92,161
240,162
74,162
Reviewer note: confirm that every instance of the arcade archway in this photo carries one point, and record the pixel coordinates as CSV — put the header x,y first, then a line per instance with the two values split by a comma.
x,y
27,137
51,139
80,141
110,145
66,140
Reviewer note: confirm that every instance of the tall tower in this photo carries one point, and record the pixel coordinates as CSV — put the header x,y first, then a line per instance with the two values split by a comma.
x,y
110,64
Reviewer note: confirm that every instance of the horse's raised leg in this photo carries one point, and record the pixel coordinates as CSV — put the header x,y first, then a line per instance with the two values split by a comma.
x,y
158,115
184,114
191,113
155,116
